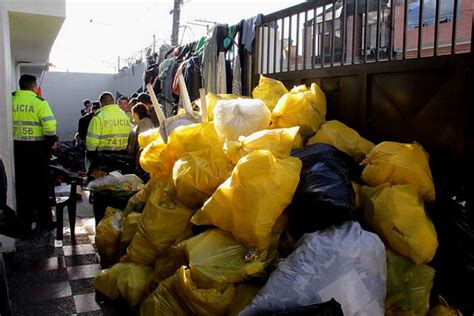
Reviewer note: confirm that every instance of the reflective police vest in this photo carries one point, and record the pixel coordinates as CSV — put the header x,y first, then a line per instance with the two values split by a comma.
x,y
32,117
109,129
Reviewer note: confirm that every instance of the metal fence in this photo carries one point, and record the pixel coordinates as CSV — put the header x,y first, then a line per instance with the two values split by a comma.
x,y
328,33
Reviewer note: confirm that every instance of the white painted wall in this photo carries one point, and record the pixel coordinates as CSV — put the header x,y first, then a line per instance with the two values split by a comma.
x,y
129,80
6,138
66,91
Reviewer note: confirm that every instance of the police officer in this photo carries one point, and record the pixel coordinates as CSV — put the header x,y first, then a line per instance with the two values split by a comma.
x,y
34,133
108,131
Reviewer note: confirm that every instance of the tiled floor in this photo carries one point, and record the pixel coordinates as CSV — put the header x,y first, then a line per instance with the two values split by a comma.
x,y
47,278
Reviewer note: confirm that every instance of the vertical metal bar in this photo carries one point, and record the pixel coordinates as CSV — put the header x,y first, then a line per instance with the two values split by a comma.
x,y
354,31
322,37
275,39
268,48
405,23
297,40
392,30
366,29
333,31
435,41
282,42
305,36
377,42
343,28
262,41
289,42
313,49
455,20
256,49
420,29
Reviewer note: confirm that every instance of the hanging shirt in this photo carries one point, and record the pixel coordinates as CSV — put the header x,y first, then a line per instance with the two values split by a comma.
x,y
108,130
32,117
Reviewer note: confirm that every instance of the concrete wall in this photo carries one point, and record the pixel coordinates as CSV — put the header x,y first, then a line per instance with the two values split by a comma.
x,y
65,92
6,138
129,80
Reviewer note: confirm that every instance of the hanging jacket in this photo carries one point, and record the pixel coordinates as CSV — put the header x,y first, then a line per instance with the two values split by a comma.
x,y
108,130
32,117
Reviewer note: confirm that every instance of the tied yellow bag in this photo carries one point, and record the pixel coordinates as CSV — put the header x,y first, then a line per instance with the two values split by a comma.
x,y
134,283
164,300
200,137
397,163
344,138
397,215
215,257
196,176
106,281
298,142
162,223
130,225
251,200
147,137
244,294
408,286
202,301
107,237
300,107
157,159
278,141
269,91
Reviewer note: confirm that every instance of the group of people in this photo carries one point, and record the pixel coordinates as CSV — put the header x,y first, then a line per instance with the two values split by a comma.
x,y
107,126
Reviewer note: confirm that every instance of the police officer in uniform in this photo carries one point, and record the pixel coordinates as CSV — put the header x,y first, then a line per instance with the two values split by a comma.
x,y
34,133
108,130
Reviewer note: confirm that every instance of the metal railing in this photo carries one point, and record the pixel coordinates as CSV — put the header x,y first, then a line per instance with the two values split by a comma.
x,y
330,33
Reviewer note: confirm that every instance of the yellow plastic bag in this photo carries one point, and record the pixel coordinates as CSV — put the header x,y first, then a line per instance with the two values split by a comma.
x,y
251,200
106,281
298,142
397,163
343,138
147,137
141,250
215,257
157,159
202,301
164,301
196,176
444,309
299,107
134,283
244,294
130,227
397,215
269,91
163,222
278,141
136,203
408,286
200,137
240,117
107,237
356,187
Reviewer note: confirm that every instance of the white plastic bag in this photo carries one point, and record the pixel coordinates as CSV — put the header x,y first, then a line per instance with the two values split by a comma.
x,y
116,181
345,263
240,117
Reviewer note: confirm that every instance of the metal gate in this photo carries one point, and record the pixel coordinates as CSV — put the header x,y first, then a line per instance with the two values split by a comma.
x,y
392,69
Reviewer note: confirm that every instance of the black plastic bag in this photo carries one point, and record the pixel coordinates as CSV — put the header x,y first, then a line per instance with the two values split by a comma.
x,y
324,196
329,308
453,216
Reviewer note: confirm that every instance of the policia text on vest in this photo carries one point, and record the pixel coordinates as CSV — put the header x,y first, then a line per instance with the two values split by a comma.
x,y
34,131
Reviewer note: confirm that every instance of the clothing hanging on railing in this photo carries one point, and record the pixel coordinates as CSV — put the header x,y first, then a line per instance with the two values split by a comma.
x,y
237,76
214,44
192,77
